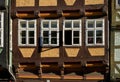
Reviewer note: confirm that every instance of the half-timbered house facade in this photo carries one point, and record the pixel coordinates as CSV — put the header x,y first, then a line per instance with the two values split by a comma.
x,y
60,40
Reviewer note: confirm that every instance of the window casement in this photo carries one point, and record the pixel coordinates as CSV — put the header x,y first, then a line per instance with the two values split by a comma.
x,y
72,32
50,32
27,32
1,28
95,32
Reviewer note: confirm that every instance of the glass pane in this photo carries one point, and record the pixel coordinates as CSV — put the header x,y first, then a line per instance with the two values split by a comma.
x,y
53,33
99,33
0,34
23,24
0,17
0,43
45,24
99,40
99,24
31,25
31,40
68,24
23,33
45,33
90,40
53,24
76,24
45,40
53,40
0,25
90,33
23,40
31,33
76,34
76,41
90,24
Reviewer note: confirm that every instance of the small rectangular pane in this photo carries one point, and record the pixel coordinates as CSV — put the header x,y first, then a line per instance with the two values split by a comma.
x,y
23,24
68,24
53,33
76,41
76,24
53,40
45,24
90,33
45,40
117,39
90,40
99,40
76,34
31,24
23,33
23,40
31,40
91,24
0,24
53,24
99,33
31,33
45,33
99,23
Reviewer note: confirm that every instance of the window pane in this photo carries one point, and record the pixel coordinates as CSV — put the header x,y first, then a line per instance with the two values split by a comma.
x,y
53,33
90,24
45,24
45,33
53,24
99,40
0,42
0,25
99,24
76,24
90,40
31,40
45,40
99,33
76,41
68,24
0,34
31,33
90,37
68,37
23,33
23,24
23,40
31,24
76,34
53,40
90,33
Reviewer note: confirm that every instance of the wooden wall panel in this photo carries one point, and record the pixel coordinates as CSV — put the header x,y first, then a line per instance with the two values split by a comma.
x,y
72,52
47,2
96,51
93,2
23,3
48,52
69,2
27,52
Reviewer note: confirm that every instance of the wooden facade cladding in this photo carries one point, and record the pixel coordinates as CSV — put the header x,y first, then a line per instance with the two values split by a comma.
x,y
61,58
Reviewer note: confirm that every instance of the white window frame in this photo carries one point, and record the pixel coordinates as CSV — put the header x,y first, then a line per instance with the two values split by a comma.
x,y
94,29
27,29
49,29
72,29
2,29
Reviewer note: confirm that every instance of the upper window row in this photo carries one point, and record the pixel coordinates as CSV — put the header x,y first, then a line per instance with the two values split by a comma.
x,y
71,33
